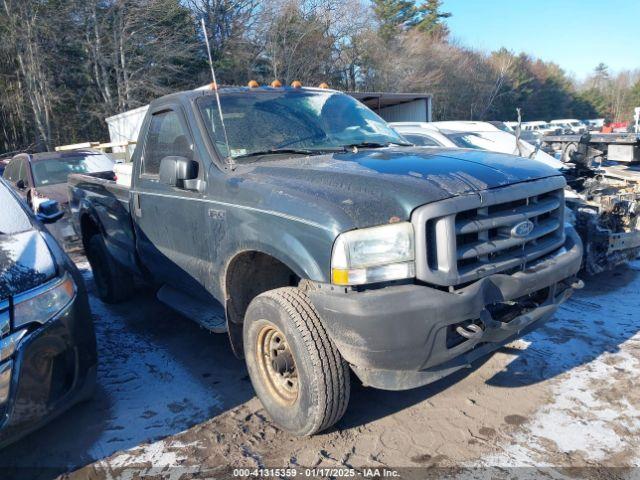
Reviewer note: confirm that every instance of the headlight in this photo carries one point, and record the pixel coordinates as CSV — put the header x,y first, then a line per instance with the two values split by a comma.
x,y
372,255
43,303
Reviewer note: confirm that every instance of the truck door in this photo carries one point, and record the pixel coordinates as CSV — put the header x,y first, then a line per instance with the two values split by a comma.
x,y
169,221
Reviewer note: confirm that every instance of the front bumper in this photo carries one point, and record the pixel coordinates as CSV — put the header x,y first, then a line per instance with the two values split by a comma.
x,y
52,368
405,336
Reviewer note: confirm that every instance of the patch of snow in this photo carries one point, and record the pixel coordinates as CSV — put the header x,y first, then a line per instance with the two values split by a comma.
x,y
132,365
25,262
164,458
586,346
28,250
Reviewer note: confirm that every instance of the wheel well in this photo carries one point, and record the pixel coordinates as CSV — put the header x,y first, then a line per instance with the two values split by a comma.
x,y
89,228
249,274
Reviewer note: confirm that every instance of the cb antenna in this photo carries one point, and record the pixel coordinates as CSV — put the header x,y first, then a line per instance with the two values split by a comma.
x,y
230,161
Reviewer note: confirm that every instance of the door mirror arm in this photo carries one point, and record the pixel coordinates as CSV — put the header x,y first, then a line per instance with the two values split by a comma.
x,y
195,185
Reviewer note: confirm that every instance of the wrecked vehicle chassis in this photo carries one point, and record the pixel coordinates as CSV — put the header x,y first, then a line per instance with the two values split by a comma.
x,y
604,195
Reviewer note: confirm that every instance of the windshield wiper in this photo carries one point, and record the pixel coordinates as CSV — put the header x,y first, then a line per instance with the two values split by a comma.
x,y
367,145
275,151
301,151
376,145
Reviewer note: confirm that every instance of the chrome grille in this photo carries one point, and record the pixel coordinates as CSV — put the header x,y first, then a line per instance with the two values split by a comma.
x,y
469,237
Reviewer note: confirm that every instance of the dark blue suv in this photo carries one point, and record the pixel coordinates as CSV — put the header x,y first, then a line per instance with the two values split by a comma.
x,y
47,341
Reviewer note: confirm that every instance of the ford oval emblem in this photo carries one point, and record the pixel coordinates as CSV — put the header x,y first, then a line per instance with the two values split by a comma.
x,y
522,229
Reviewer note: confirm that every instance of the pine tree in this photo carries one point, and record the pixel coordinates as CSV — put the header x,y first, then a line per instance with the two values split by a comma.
x,y
429,18
600,76
391,14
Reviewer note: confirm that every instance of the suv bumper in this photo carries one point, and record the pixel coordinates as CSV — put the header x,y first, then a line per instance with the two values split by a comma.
x,y
404,336
52,368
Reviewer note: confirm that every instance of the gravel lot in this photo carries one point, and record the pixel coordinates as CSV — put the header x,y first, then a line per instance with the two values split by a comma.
x,y
173,401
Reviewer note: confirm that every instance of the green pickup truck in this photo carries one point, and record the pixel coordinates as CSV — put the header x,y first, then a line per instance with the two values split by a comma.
x,y
321,241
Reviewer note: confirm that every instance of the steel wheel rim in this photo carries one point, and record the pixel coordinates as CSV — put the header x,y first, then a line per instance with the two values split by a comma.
x,y
277,365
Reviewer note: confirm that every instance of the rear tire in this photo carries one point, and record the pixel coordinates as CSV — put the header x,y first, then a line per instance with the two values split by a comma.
x,y
295,368
113,283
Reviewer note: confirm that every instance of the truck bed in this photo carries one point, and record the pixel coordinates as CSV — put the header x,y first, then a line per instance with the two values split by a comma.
x,y
98,197
100,183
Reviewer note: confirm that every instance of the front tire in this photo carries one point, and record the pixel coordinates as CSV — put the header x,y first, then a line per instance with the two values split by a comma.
x,y
113,283
297,371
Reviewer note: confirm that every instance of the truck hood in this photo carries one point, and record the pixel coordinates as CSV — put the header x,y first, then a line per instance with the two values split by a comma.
x,y
372,185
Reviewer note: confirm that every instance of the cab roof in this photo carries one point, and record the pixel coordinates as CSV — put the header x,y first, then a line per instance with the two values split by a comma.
x,y
207,91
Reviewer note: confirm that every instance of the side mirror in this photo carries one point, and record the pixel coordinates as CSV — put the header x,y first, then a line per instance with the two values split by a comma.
x,y
175,171
20,185
49,212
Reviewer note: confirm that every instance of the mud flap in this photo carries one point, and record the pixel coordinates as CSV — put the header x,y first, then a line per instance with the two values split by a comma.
x,y
234,329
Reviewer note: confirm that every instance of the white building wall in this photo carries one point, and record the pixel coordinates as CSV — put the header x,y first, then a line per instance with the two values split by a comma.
x,y
126,126
415,111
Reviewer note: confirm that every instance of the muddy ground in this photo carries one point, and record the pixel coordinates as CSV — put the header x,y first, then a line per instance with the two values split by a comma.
x,y
172,401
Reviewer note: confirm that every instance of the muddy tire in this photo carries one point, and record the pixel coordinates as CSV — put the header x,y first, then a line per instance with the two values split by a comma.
x,y
296,370
113,283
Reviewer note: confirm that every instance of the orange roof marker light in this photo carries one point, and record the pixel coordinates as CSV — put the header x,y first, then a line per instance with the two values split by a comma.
x,y
253,84
296,84
213,86
323,85
276,84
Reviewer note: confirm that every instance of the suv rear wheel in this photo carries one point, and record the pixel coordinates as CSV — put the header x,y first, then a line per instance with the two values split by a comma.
x,y
296,370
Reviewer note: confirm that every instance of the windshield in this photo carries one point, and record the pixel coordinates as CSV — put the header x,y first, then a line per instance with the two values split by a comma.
x,y
262,121
56,170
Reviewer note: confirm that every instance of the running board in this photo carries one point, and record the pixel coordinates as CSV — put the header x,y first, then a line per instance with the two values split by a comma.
x,y
209,315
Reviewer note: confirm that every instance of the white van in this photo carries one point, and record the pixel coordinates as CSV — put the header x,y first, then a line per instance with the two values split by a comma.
x,y
570,125
543,128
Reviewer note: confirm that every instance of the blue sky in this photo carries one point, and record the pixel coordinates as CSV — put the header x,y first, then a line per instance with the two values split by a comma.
x,y
576,34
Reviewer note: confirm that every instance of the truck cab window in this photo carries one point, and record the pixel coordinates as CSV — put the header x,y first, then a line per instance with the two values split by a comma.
x,y
167,137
